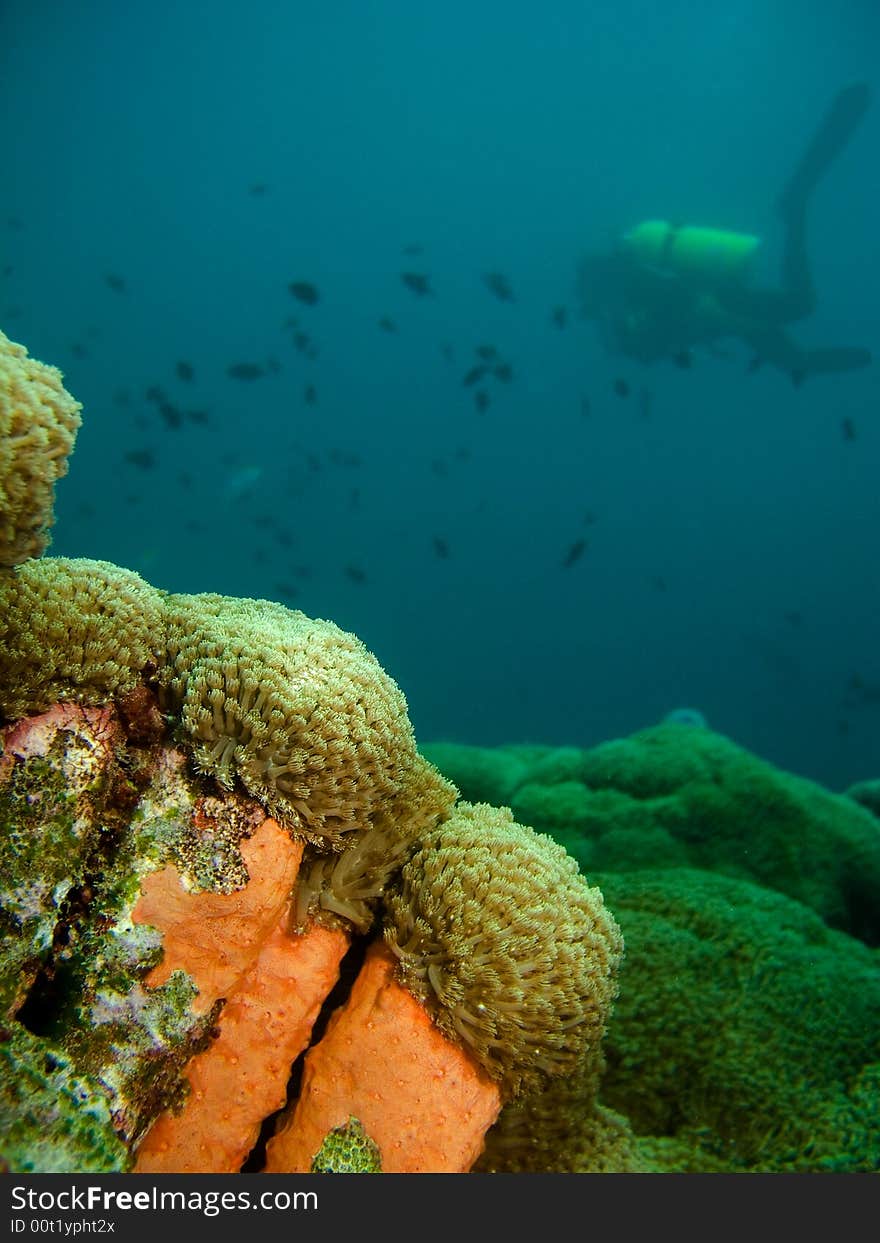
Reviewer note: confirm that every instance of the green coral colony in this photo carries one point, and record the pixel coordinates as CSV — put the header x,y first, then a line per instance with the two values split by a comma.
x,y
745,1034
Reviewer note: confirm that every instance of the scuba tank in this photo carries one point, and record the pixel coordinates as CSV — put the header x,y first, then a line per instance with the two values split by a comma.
x,y
705,258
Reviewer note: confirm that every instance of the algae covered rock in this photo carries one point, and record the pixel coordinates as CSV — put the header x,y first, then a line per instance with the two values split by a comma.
x,y
90,1053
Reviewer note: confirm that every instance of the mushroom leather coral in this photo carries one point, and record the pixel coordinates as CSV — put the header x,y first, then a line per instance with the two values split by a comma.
x,y
499,934
39,421
74,629
302,713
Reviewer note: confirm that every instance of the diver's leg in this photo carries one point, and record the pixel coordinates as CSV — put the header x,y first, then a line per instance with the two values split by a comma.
x,y
838,125
797,295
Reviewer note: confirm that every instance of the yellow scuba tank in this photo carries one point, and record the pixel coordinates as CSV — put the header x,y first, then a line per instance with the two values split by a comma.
x,y
705,257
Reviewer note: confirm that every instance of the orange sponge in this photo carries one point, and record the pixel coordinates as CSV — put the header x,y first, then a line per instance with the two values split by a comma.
x,y
424,1101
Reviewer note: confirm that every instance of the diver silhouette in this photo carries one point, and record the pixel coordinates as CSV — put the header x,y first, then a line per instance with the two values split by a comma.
x,y
667,288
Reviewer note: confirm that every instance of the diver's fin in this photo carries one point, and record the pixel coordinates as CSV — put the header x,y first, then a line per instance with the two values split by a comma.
x,y
837,127
836,358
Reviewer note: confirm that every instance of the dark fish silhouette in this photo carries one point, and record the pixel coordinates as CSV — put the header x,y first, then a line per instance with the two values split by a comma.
x,y
848,429
441,548
387,324
683,359
355,573
575,552
503,372
310,394
115,282
79,351
184,370
475,374
646,402
481,400
559,316
413,248
170,413
304,291
244,371
198,416
499,285
418,282
258,188
585,407
621,388
144,458
486,352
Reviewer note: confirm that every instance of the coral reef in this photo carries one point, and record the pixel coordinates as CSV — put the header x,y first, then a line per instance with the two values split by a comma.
x,y
745,1034
214,798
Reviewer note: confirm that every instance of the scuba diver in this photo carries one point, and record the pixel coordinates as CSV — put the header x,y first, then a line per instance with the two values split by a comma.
x,y
668,288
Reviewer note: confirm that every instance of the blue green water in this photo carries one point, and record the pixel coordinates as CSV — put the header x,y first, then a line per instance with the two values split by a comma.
x,y
603,542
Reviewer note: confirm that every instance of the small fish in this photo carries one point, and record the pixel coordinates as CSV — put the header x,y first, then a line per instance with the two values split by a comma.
x,y
585,407
198,416
304,291
848,429
794,617
475,374
310,395
441,548
503,372
658,583
559,316
387,324
143,458
170,413
258,188
448,353
413,248
79,351
499,285
244,371
418,282
486,352
646,403
755,364
575,552
355,573
481,400
115,282
683,359
621,388
184,370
